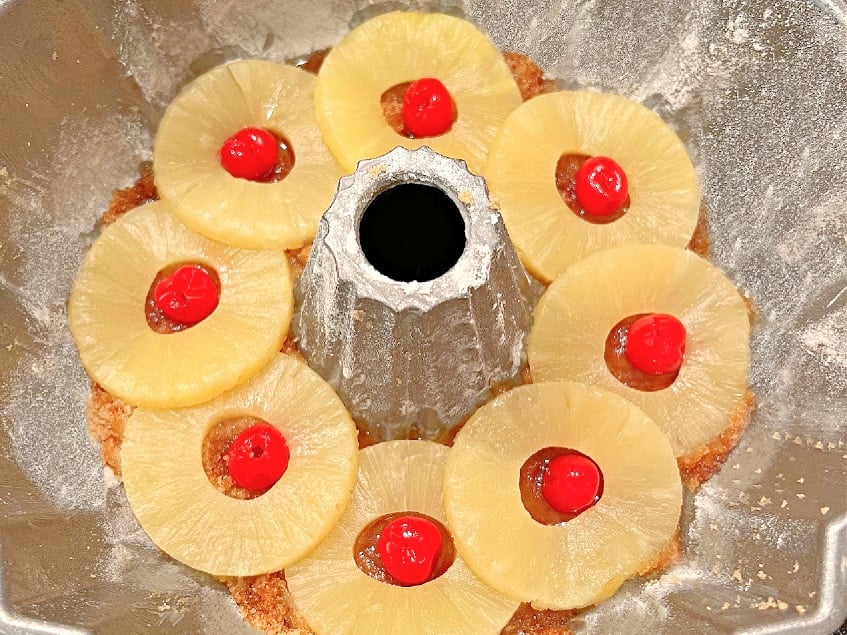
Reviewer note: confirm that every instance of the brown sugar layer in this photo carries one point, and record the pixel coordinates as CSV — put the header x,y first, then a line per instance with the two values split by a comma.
x,y
699,466
367,556
531,480
156,318
624,370
215,454
107,417
567,168
392,107
264,600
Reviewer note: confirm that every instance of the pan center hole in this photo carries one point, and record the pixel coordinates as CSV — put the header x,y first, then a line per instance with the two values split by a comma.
x,y
412,232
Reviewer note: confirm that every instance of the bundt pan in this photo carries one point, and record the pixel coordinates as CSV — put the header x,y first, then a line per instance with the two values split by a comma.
x,y
757,90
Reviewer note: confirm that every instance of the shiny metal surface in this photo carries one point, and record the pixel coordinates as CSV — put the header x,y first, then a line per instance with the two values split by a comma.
x,y
757,90
413,355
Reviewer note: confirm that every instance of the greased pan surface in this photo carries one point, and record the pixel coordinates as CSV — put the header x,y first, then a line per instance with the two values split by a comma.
x,y
756,89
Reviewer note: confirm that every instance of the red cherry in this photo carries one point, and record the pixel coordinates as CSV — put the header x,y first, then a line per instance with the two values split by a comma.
x,y
601,186
251,153
428,109
571,483
409,547
655,344
258,457
186,296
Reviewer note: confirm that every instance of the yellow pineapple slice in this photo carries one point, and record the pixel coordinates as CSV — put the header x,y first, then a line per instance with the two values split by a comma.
x,y
577,312
336,597
123,354
521,173
584,560
191,521
401,47
237,211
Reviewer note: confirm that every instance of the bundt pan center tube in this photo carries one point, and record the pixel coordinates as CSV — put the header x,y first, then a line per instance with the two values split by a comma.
x,y
413,303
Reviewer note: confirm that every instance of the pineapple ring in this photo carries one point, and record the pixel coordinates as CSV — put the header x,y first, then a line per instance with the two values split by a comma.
x,y
663,187
576,313
336,597
188,171
401,47
585,560
191,521
121,352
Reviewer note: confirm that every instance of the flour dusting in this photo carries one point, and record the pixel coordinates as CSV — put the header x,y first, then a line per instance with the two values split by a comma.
x,y
755,89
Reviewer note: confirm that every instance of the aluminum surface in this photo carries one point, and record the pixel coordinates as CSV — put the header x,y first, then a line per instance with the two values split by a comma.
x,y
420,355
757,90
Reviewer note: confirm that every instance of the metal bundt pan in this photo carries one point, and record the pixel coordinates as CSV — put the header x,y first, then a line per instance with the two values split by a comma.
x,y
757,90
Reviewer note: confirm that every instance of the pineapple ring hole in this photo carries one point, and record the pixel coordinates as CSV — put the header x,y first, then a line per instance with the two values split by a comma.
x,y
412,232
624,370
156,318
284,162
566,168
215,455
530,482
366,552
392,108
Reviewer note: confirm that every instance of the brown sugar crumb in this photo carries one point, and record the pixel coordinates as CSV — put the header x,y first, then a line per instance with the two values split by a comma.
x,y
700,242
297,259
392,106
524,378
530,621
128,198
367,436
699,466
313,63
528,75
266,604
752,309
289,347
107,417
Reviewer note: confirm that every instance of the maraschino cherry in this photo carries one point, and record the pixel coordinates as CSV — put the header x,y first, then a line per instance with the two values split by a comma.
x,y
258,457
601,186
251,153
655,344
428,109
571,483
409,547
187,296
